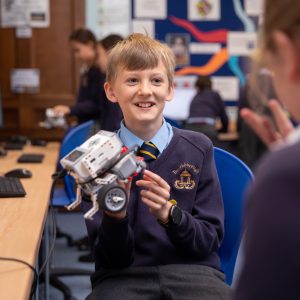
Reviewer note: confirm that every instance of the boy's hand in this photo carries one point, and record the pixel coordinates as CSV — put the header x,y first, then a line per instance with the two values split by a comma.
x,y
155,195
263,127
122,214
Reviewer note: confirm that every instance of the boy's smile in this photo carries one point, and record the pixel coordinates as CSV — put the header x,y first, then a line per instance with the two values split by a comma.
x,y
141,95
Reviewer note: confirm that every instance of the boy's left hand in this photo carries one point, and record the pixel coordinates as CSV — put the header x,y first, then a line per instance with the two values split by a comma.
x,y
155,195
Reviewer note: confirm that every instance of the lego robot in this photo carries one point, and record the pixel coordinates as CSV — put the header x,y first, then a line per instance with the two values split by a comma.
x,y
96,165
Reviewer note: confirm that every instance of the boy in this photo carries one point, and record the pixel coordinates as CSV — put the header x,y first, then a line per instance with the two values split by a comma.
x,y
164,244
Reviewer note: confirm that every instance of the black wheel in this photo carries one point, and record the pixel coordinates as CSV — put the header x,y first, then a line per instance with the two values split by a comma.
x,y
112,198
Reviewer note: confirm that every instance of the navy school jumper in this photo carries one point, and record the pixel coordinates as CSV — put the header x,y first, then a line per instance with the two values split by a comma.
x,y
187,164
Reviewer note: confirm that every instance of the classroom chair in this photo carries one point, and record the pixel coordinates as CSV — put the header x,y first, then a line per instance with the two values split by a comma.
x,y
173,122
65,195
234,178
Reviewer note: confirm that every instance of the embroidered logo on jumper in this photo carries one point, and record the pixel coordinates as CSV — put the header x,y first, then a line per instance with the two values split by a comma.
x,y
185,176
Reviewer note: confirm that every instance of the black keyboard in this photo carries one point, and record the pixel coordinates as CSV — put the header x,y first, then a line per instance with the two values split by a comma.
x,y
11,187
13,146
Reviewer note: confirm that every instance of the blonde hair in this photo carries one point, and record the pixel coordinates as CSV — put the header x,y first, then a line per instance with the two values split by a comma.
x,y
140,52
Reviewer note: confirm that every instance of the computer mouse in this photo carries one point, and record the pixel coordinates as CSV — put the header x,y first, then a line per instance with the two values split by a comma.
x,y
38,142
19,173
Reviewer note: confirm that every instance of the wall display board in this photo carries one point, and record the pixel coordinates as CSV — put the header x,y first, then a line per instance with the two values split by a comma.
x,y
16,13
208,37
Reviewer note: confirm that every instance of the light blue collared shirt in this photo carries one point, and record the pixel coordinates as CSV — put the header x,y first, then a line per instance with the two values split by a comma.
x,y
161,139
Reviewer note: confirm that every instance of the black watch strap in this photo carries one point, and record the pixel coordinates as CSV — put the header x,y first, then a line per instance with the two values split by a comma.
x,y
174,218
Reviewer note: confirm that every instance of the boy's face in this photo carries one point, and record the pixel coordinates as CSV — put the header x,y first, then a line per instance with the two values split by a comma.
x,y
141,95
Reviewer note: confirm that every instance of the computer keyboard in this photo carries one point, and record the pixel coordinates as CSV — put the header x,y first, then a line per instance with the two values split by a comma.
x,y
13,146
11,187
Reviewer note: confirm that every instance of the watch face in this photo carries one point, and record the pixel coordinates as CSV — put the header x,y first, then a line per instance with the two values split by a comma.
x,y
176,214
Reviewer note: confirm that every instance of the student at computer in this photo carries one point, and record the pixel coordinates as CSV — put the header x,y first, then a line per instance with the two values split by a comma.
x,y
164,244
205,109
90,94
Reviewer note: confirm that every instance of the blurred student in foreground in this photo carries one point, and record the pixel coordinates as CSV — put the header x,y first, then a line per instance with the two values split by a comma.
x,y
272,243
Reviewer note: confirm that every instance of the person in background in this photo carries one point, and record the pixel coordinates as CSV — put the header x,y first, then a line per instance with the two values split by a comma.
x,y
89,99
258,90
111,112
206,107
272,243
110,120
164,244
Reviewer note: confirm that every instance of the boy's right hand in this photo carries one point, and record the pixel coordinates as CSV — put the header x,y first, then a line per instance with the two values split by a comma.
x,y
262,125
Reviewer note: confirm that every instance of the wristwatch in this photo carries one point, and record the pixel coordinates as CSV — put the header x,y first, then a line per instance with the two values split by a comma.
x,y
174,218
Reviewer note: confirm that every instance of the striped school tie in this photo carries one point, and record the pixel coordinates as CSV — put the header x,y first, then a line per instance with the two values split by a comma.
x,y
148,151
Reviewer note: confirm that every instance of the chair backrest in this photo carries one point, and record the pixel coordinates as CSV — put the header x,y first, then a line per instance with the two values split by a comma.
x,y
74,138
173,122
234,178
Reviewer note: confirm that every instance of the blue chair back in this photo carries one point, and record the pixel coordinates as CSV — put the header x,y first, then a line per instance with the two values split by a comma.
x,y
173,122
234,178
73,138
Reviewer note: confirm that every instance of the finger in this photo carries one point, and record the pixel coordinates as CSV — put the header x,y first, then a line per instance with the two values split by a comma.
x,y
145,177
151,205
258,125
270,133
153,187
153,196
284,125
157,179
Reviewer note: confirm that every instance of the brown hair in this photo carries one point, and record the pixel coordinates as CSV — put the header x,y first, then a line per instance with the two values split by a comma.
x,y
283,15
203,82
83,36
140,52
110,41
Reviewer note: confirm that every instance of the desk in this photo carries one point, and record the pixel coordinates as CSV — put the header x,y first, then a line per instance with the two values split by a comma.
x,y
228,136
22,221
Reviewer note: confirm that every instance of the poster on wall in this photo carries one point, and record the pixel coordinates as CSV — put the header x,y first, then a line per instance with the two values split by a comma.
x,y
106,17
254,7
204,10
25,80
179,43
144,26
155,9
33,13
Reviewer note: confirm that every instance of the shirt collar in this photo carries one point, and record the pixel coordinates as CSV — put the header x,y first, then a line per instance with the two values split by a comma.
x,y
160,140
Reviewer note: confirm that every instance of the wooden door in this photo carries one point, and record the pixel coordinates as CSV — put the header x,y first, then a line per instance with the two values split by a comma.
x,y
49,51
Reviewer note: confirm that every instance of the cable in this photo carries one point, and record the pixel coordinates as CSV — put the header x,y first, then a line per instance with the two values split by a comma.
x,y
20,261
35,274
55,177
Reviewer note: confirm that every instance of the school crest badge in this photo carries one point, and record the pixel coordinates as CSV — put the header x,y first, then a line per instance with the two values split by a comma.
x,y
185,177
